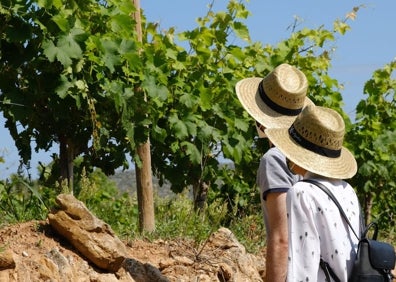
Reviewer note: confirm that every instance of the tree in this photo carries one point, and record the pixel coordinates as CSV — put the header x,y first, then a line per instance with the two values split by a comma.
x,y
69,72
372,139
85,58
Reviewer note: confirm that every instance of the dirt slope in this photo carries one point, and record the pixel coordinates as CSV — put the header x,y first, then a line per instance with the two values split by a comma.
x,y
40,254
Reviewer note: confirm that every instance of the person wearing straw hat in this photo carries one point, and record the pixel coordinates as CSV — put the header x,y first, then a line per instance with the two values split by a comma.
x,y
274,101
313,146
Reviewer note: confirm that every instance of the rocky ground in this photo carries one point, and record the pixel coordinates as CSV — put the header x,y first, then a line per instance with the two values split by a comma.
x,y
36,251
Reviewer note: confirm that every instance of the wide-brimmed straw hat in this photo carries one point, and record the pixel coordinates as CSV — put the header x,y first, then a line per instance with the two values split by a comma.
x,y
275,100
314,142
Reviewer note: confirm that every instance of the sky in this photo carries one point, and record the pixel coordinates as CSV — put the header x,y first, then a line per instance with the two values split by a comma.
x,y
368,46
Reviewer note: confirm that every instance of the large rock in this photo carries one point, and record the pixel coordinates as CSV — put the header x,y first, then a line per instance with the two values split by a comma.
x,y
236,264
94,239
91,236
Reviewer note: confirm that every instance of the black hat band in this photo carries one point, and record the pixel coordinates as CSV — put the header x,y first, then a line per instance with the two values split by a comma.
x,y
311,146
282,110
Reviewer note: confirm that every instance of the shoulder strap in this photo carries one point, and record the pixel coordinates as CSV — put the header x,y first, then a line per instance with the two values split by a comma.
x,y
328,192
328,271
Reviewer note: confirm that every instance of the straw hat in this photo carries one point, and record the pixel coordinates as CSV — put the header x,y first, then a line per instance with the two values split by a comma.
x,y
314,142
276,100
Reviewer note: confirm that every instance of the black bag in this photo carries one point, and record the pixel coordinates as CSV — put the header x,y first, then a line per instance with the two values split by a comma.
x,y
374,260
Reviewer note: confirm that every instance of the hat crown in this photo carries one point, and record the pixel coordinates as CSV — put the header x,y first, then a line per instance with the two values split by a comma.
x,y
286,86
321,126
314,142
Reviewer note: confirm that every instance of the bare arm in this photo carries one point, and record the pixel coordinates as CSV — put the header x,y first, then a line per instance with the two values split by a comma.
x,y
277,246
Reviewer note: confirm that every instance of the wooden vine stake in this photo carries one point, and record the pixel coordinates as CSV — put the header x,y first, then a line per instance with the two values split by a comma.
x,y
144,181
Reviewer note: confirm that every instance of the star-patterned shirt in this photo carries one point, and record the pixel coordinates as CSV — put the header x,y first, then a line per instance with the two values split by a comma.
x,y
317,229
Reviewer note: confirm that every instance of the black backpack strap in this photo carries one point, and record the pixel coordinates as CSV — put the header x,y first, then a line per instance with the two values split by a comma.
x,y
328,271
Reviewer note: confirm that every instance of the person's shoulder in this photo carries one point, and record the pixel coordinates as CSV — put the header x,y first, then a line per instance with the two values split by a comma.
x,y
274,158
274,152
302,187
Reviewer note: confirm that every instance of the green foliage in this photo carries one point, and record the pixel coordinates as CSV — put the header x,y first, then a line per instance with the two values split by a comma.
x,y
90,54
372,141
21,200
102,197
175,215
68,73
177,219
249,230
179,211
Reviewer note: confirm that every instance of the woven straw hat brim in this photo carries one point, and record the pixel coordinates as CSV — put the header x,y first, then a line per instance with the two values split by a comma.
x,y
343,167
248,95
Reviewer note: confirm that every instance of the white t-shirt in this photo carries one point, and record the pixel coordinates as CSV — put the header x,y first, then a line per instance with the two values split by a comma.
x,y
317,229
